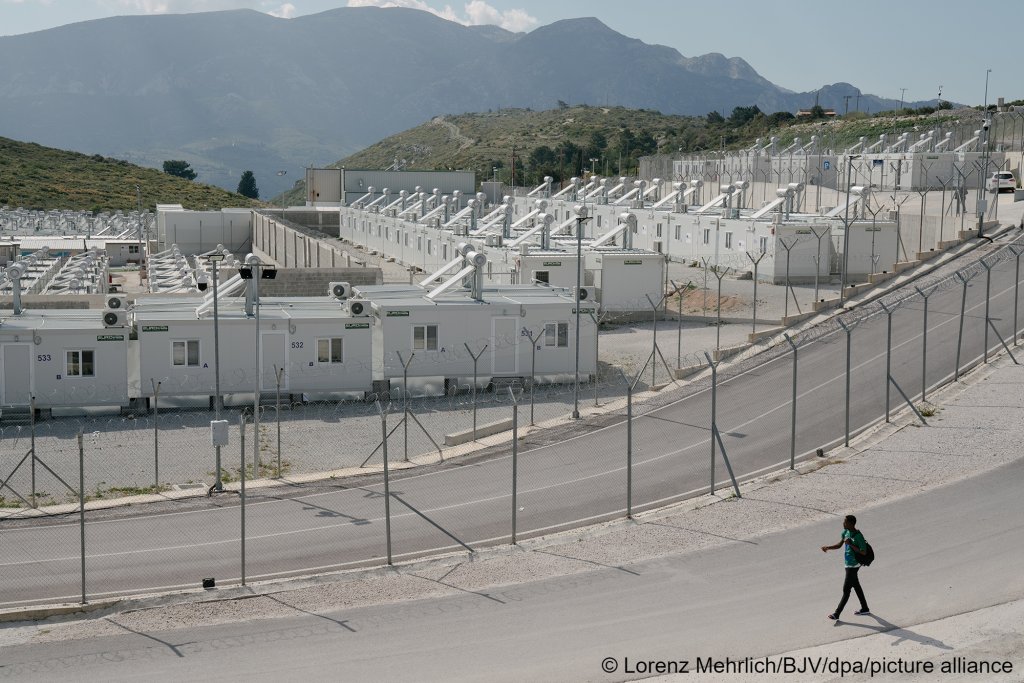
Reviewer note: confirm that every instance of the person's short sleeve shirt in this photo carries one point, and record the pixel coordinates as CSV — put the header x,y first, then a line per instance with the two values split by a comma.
x,y
849,556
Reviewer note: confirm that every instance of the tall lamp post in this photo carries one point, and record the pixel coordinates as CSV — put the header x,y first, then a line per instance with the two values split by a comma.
x,y
256,270
593,161
215,259
581,218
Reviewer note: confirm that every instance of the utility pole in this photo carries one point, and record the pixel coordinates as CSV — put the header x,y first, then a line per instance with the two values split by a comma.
x,y
846,104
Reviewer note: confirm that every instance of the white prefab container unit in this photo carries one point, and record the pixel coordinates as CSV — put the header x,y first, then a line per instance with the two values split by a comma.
x,y
549,267
625,278
325,186
446,332
196,232
64,358
322,348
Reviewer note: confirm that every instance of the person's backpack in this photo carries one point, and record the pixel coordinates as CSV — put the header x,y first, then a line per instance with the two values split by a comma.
x,y
867,557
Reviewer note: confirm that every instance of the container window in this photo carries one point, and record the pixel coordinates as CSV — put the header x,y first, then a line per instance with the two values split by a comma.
x,y
330,350
185,353
556,335
424,337
80,364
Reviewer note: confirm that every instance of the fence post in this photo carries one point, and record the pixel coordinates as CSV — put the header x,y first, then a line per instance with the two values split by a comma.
x,y
789,291
597,357
888,353
387,484
475,359
629,445
792,421
988,292
32,445
714,405
241,441
756,262
405,402
654,345
156,433
846,442
515,462
278,375
81,508
1016,290
533,368
679,325
718,320
924,346
960,332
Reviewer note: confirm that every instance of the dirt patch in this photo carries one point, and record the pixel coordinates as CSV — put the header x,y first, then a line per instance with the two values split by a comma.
x,y
697,301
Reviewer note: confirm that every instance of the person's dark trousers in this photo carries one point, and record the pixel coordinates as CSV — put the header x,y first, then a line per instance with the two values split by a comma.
x,y
852,582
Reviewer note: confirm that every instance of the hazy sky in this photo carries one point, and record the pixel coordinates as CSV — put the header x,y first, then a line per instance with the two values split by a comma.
x,y
880,47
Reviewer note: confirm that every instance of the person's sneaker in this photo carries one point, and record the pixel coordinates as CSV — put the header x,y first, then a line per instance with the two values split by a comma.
x,y
834,616
863,611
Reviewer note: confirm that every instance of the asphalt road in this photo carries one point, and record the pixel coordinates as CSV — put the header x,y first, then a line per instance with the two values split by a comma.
x,y
745,599
468,504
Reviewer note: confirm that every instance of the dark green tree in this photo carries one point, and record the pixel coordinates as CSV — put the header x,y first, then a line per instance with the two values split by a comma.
x,y
743,115
179,168
780,118
247,186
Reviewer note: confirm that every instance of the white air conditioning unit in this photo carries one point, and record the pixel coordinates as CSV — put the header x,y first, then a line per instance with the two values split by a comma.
x,y
358,309
112,318
117,303
339,290
588,294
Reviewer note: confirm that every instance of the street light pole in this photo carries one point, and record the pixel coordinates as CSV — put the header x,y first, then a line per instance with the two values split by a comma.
x,y
215,259
256,270
581,217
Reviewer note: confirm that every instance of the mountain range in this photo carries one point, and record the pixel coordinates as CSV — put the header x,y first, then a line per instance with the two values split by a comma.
x,y
242,90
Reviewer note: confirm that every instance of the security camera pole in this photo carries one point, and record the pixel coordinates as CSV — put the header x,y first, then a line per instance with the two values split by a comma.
x,y
581,217
983,174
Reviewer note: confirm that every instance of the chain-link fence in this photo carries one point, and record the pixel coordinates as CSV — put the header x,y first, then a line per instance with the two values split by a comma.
x,y
650,441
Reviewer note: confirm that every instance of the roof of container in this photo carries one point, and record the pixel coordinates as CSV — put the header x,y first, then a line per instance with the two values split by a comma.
x,y
55,319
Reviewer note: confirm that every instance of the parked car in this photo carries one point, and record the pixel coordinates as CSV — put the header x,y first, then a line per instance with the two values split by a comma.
x,y
1001,180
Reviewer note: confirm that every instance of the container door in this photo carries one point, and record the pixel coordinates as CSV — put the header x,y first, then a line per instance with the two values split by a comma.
x,y
17,372
272,355
504,346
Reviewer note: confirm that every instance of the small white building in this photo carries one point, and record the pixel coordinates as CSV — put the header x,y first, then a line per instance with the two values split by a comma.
x,y
625,278
441,335
64,358
322,348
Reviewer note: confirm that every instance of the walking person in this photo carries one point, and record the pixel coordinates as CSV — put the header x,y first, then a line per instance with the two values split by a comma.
x,y
851,539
